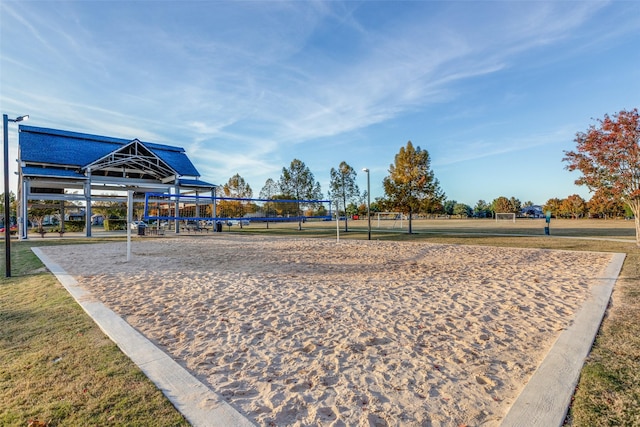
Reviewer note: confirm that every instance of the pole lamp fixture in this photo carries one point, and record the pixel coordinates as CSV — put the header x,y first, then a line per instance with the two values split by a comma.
x,y
7,212
368,201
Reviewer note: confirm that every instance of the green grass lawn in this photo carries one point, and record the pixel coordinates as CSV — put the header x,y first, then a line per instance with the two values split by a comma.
x,y
57,366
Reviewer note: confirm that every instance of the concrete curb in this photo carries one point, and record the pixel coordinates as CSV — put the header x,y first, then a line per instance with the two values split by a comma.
x,y
197,403
545,399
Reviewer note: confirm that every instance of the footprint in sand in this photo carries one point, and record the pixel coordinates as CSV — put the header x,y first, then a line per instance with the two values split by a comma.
x,y
485,381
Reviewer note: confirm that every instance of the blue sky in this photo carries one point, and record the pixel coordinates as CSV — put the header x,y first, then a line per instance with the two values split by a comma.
x,y
494,91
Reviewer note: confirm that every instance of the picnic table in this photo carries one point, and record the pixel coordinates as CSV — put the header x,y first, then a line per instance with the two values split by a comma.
x,y
195,228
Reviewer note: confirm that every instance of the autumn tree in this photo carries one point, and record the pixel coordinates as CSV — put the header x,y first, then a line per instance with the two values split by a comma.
x,y
411,182
297,183
343,188
238,188
573,206
553,205
501,204
608,156
603,205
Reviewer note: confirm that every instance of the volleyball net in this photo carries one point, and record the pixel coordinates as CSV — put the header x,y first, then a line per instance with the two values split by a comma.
x,y
182,207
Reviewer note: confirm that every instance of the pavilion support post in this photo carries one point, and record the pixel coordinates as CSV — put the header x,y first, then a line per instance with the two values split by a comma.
x,y
197,206
177,209
129,221
213,205
62,230
87,199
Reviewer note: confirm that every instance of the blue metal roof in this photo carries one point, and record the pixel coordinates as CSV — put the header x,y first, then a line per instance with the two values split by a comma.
x,y
195,183
51,172
59,147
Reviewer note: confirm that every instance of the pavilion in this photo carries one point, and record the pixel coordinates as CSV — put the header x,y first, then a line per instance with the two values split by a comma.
x,y
58,165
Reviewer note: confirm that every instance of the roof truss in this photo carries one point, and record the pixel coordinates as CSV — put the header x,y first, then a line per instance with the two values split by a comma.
x,y
133,160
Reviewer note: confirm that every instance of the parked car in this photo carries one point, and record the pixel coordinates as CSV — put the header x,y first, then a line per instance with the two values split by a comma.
x,y
238,222
12,229
136,224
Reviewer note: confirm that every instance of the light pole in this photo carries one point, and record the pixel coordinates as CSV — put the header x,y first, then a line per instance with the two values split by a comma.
x,y
368,201
7,211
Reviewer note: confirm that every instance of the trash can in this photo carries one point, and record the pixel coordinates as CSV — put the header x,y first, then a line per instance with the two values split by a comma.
x,y
141,229
219,226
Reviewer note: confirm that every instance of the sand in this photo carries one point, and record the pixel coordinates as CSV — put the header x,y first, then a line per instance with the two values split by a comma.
x,y
313,332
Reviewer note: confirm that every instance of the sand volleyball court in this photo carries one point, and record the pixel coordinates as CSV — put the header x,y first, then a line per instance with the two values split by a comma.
x,y
313,332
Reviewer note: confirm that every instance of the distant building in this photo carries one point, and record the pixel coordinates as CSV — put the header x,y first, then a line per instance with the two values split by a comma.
x,y
534,211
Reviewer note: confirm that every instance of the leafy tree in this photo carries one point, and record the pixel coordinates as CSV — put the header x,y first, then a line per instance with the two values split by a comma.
x,y
375,206
236,187
501,205
268,192
362,209
608,155
515,204
462,210
38,210
297,183
505,205
627,211
12,206
432,205
343,187
605,205
411,182
482,209
269,189
284,209
449,206
352,209
554,205
573,206
112,209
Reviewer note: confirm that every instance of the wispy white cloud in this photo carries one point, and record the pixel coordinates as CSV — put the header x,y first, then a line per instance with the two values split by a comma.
x,y
243,85
477,149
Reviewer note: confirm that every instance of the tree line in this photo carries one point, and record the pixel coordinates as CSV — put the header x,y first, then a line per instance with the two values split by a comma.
x,y
607,155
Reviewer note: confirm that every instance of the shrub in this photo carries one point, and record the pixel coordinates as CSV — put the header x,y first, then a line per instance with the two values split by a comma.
x,y
74,225
115,224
